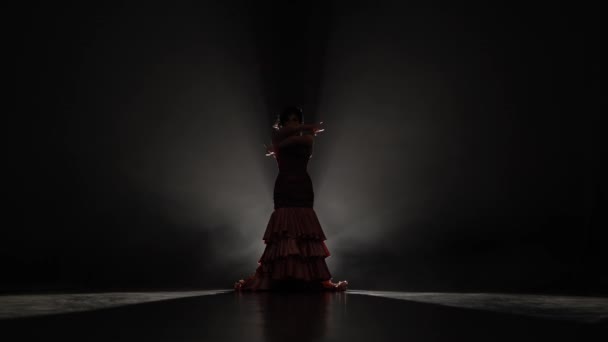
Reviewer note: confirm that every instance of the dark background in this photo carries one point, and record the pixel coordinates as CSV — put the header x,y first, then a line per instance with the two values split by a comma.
x,y
461,150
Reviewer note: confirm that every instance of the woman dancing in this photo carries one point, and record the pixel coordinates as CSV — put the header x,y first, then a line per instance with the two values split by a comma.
x,y
294,257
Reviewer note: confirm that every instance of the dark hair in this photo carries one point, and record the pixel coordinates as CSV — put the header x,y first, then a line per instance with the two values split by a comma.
x,y
284,116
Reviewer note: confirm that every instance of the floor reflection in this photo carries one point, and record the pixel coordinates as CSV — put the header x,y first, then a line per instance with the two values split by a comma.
x,y
302,317
314,316
282,316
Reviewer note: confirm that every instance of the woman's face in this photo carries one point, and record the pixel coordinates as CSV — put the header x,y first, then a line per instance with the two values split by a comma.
x,y
292,121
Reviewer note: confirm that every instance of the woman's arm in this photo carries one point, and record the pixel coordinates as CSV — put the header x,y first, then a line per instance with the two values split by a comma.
x,y
290,135
306,139
284,132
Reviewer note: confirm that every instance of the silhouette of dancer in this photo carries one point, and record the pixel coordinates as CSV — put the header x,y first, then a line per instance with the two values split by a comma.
x,y
295,252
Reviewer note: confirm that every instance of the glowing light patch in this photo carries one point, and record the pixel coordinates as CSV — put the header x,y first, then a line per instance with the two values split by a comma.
x,y
15,306
576,308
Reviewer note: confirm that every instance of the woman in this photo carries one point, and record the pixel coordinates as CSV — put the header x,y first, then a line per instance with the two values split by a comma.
x,y
295,251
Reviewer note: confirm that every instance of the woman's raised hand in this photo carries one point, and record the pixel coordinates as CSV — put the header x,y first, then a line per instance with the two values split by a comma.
x,y
317,128
270,152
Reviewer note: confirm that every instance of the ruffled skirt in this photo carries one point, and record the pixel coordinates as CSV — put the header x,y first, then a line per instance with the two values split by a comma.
x,y
295,252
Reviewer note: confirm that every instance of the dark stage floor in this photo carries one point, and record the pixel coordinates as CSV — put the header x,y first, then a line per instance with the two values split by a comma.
x,y
224,315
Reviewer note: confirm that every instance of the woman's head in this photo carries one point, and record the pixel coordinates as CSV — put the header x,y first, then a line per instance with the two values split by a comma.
x,y
291,117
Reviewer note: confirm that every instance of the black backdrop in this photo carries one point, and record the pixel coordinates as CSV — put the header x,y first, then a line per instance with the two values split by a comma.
x,y
96,89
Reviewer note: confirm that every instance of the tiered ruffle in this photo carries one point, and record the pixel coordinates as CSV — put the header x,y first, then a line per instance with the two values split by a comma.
x,y
295,250
295,222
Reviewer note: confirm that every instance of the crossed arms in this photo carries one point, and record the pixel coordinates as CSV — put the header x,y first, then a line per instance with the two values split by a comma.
x,y
290,135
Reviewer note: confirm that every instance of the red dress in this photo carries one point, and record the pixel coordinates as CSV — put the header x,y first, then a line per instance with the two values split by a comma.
x,y
295,250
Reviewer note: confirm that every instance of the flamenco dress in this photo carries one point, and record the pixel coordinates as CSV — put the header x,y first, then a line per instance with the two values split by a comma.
x,y
295,251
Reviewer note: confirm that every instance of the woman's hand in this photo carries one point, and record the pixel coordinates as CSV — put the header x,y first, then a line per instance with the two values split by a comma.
x,y
270,150
317,128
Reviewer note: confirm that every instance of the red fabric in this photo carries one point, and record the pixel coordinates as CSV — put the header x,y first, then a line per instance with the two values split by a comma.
x,y
295,248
